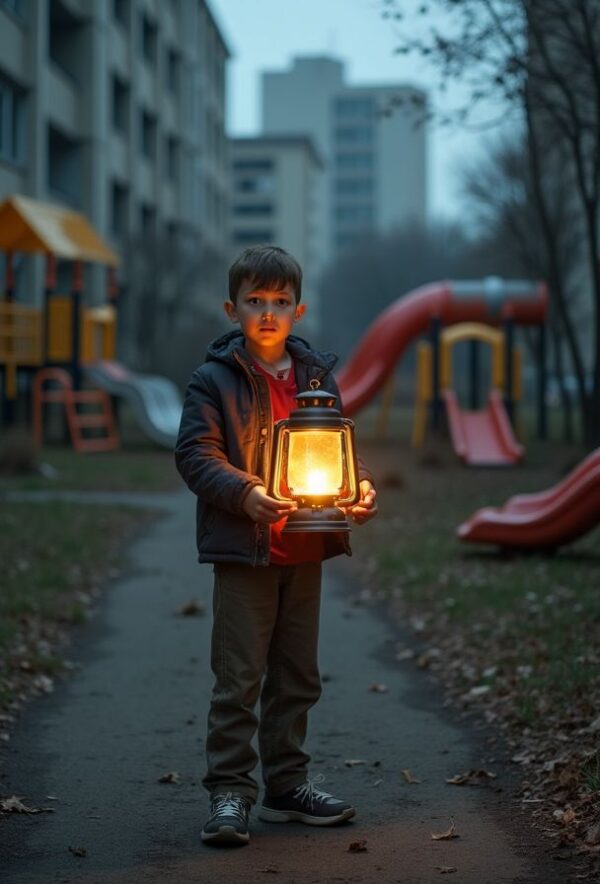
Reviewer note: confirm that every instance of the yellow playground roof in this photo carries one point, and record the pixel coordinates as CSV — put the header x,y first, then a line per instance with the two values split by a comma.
x,y
28,225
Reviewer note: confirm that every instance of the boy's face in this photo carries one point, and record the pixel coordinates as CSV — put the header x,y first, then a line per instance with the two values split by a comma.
x,y
266,316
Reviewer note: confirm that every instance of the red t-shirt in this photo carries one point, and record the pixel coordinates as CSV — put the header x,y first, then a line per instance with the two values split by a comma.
x,y
304,546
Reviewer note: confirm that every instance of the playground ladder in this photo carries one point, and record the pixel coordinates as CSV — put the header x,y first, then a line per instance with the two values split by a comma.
x,y
77,421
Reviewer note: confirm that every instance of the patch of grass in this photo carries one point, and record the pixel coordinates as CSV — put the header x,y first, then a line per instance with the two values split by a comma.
x,y
143,470
54,557
534,617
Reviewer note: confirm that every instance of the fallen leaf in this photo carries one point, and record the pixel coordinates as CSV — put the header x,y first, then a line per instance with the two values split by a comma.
x,y
78,851
471,777
15,805
409,777
446,870
377,688
568,816
352,762
446,836
193,608
405,654
171,777
357,847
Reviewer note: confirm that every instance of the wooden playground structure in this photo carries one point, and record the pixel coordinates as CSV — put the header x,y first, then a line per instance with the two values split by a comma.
x,y
47,345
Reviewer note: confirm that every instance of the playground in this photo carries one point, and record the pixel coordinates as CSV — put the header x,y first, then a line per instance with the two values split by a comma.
x,y
485,553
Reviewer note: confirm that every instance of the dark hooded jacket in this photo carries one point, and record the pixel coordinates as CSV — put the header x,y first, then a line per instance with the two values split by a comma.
x,y
224,445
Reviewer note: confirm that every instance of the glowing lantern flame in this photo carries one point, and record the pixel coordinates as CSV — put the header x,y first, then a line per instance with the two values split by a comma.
x,y
315,463
316,482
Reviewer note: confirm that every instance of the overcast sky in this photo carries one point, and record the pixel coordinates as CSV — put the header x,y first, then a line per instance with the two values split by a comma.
x,y
267,34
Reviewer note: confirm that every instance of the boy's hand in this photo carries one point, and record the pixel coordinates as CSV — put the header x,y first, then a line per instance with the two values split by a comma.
x,y
366,507
262,508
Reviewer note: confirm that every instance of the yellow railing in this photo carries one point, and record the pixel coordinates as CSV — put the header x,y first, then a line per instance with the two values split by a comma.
x,y
465,331
20,341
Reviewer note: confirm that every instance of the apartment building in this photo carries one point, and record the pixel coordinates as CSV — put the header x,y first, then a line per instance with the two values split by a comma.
x,y
374,176
274,183
116,108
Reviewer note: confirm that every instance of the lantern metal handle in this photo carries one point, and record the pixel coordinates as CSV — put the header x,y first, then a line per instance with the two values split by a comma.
x,y
315,384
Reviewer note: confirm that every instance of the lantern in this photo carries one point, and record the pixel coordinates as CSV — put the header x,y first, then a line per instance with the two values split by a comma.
x,y
314,463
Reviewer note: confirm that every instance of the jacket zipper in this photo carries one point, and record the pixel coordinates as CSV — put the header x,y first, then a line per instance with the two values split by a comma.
x,y
264,459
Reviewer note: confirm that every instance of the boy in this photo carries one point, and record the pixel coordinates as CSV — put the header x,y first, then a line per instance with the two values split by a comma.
x,y
266,584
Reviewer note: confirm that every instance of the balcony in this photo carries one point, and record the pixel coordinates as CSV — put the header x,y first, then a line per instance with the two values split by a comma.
x,y
63,100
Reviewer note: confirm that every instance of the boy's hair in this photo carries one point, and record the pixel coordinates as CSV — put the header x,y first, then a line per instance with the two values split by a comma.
x,y
267,267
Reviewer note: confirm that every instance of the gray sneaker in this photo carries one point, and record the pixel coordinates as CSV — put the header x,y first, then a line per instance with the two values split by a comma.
x,y
306,804
228,820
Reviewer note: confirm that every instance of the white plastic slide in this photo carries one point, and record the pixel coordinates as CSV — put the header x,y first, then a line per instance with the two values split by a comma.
x,y
156,401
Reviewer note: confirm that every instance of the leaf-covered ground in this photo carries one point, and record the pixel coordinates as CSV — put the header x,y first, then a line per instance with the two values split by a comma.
x,y
513,638
55,558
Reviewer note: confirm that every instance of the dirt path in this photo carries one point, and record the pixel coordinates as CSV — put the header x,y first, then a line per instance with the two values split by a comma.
x,y
136,710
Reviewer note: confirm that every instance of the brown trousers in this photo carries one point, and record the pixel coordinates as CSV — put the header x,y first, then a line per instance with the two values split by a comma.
x,y
264,643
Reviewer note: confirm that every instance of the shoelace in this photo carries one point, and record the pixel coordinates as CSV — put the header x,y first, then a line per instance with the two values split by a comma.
x,y
231,805
308,792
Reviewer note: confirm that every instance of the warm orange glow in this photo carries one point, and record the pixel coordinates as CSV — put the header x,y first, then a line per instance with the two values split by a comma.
x,y
315,463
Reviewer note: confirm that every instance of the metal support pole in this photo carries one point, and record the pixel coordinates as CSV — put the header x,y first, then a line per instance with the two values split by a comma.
x,y
76,290
49,289
8,403
436,400
509,346
474,352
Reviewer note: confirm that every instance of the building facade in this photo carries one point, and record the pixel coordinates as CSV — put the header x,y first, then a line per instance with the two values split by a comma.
x,y
116,108
374,154
274,187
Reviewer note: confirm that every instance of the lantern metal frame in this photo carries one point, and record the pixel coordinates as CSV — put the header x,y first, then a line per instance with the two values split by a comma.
x,y
316,512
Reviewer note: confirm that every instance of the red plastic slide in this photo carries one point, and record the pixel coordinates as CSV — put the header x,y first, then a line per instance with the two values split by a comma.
x,y
488,300
484,437
549,519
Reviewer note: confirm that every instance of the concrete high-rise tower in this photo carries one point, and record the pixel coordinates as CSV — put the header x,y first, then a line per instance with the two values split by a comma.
x,y
374,175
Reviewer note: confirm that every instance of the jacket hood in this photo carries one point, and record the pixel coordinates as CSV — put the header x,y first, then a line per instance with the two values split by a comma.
x,y
223,348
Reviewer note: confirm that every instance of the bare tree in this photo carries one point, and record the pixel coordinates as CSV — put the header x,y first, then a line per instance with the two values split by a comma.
x,y
378,269
171,301
540,60
499,189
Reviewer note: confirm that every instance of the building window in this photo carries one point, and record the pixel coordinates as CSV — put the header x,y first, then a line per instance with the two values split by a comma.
x,y
250,237
119,210
354,161
253,209
253,165
255,184
12,123
149,36
66,46
354,214
121,12
354,186
354,134
353,108
171,158
120,106
172,71
148,135
64,167
147,221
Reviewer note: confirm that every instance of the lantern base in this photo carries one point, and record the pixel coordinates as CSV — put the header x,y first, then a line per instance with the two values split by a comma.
x,y
317,519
